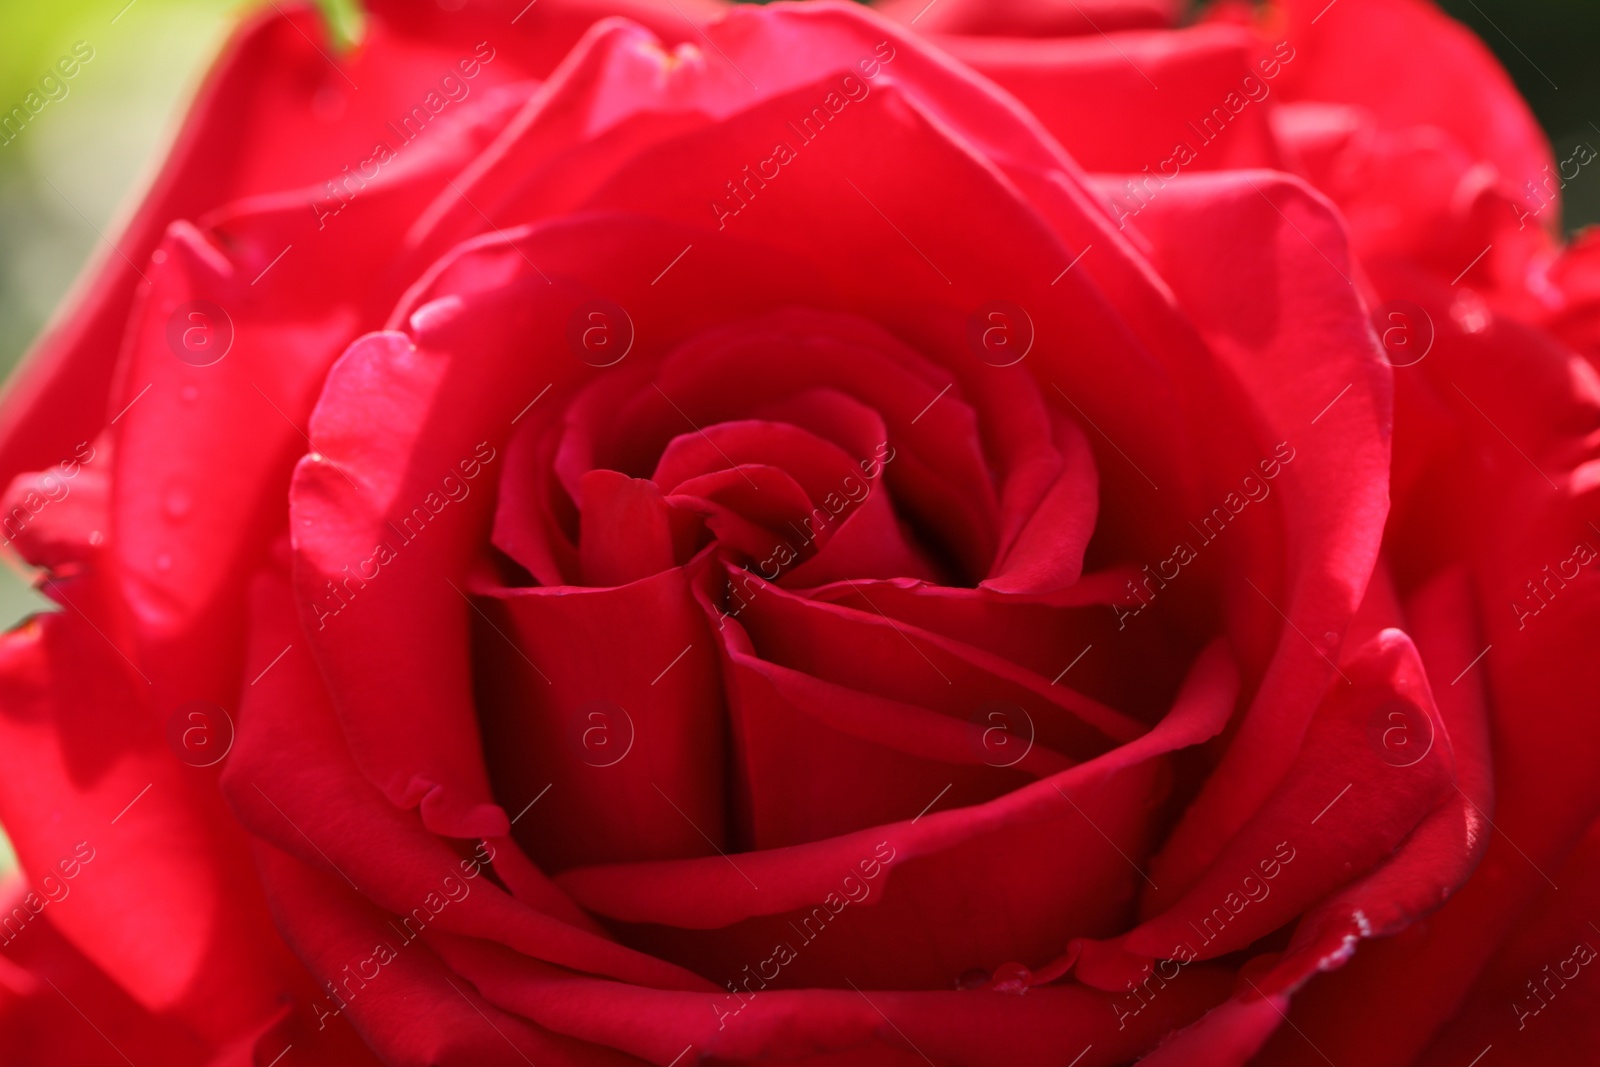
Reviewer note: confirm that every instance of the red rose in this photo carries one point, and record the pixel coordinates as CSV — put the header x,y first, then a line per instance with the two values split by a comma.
x,y
715,539
1452,198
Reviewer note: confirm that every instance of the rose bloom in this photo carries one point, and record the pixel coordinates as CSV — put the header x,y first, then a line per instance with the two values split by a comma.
x,y
982,533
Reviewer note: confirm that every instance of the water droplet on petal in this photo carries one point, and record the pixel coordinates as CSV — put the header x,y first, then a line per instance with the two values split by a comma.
x,y
1470,312
190,394
1012,978
96,537
163,563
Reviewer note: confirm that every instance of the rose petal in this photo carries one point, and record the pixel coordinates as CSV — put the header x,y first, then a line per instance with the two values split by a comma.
x,y
294,785
1331,413
621,722
270,87
400,998
969,1029
1131,79
1360,53
709,893
1051,18
93,784
1378,749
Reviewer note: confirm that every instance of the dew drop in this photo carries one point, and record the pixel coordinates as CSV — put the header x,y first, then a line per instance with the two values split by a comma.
x,y
96,538
1470,312
190,394
1012,978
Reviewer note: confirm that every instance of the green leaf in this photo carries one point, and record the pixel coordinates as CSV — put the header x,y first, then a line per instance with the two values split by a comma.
x,y
347,22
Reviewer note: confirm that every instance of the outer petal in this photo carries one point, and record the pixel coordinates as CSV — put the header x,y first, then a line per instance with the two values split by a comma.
x,y
1046,18
43,979
204,452
1334,413
1441,854
1350,757
1365,52
407,1005
1126,103
1497,433
271,86
161,903
292,784
1532,1002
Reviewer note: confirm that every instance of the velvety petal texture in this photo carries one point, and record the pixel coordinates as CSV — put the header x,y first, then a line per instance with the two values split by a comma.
x,y
606,532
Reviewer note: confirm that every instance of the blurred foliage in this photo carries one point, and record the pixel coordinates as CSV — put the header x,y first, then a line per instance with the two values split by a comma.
x,y
70,168
345,19
1548,47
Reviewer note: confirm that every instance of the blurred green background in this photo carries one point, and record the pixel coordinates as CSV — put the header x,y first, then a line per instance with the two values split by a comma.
x,y
72,169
